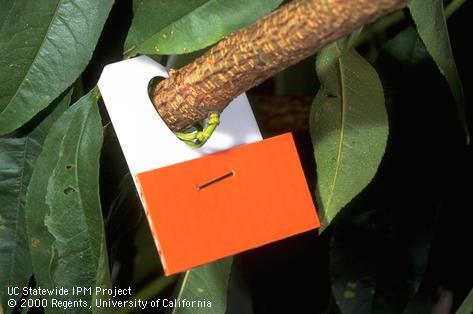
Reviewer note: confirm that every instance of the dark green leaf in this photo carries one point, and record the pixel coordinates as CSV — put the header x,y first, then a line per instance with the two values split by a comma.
x,y
18,153
296,80
178,61
349,128
44,46
174,27
239,296
63,214
124,215
467,305
6,6
377,259
432,27
147,262
407,48
206,283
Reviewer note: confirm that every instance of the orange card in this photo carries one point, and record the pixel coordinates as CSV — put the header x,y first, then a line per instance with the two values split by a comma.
x,y
221,204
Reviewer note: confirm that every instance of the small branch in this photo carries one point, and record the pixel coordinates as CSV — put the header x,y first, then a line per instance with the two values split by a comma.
x,y
250,56
453,7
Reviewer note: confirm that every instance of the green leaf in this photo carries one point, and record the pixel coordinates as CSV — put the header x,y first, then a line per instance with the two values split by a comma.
x,y
6,6
467,306
432,28
407,48
146,260
297,80
44,46
178,61
206,283
175,27
349,128
63,213
18,153
124,215
239,299
378,257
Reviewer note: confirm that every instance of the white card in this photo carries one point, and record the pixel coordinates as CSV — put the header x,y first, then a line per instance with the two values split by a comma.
x,y
145,139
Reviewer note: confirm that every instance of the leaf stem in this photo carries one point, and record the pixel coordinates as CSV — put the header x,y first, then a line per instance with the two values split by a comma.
x,y
154,288
452,7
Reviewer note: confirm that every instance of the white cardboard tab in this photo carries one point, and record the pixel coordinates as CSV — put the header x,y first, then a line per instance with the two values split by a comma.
x,y
145,139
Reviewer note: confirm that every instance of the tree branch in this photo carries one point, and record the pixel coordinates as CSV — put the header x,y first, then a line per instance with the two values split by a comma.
x,y
257,52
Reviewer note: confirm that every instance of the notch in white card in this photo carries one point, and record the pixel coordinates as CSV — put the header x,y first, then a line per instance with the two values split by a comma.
x,y
146,141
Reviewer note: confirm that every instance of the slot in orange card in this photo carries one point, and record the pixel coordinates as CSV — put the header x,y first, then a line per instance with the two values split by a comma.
x,y
221,204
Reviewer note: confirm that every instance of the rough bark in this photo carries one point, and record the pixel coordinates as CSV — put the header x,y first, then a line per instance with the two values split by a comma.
x,y
257,52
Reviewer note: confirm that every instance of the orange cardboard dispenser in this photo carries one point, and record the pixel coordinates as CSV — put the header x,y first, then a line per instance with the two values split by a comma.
x,y
236,193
